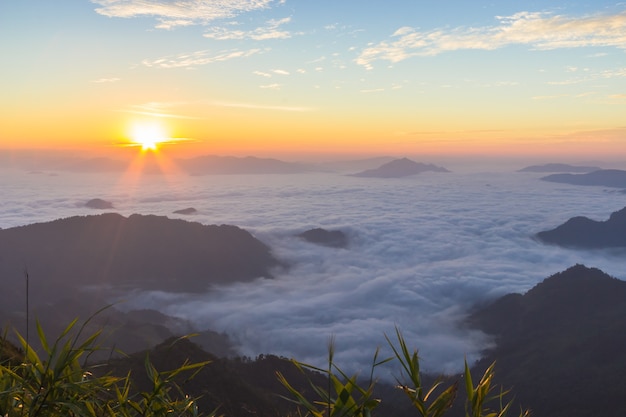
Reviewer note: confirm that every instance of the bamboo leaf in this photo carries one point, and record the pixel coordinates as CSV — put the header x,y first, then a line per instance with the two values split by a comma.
x,y
443,402
42,337
469,385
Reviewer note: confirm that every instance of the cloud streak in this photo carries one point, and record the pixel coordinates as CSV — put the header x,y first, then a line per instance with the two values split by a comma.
x,y
539,30
170,14
106,80
159,109
198,58
273,86
270,31
592,76
165,109
254,106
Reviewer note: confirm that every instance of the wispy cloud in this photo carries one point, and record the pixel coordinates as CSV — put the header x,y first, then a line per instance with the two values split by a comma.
x,y
198,58
553,97
539,30
569,96
159,109
170,14
176,109
592,76
504,84
253,106
105,80
271,73
566,82
273,86
317,60
271,31
262,74
373,90
617,73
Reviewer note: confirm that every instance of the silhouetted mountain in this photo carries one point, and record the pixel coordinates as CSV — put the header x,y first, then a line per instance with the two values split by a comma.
x,y
605,177
150,164
352,165
148,252
77,263
98,203
100,164
399,168
582,232
212,164
189,210
560,347
125,331
559,168
59,161
333,238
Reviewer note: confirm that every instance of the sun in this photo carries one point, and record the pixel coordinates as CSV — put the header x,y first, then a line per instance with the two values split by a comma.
x,y
148,136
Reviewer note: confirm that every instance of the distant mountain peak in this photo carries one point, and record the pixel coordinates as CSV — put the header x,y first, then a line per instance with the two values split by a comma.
x,y
402,167
604,177
332,238
557,167
582,232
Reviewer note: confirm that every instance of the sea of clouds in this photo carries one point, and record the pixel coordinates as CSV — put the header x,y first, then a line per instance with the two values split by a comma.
x,y
423,251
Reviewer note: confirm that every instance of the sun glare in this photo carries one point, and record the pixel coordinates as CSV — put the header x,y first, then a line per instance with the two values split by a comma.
x,y
148,136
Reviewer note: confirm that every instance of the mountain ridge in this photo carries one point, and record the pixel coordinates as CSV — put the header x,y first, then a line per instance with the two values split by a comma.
x,y
585,233
557,340
140,251
398,168
615,178
558,167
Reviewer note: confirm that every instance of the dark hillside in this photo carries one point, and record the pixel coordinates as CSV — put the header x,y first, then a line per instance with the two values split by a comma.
x,y
561,346
240,387
148,252
582,232
78,264
603,177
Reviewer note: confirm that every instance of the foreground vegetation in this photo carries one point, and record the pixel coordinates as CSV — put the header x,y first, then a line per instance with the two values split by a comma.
x,y
62,381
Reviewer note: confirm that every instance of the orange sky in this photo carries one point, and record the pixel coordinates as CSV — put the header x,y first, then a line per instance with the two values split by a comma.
x,y
287,79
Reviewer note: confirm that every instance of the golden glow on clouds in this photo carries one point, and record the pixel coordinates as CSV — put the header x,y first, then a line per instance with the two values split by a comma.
x,y
179,13
540,30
